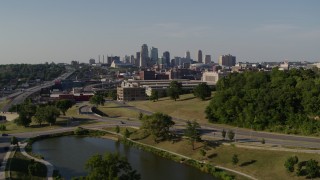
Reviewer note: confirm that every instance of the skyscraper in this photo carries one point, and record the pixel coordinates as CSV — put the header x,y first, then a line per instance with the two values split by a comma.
x,y
154,55
144,56
227,60
188,55
137,60
207,59
166,56
199,56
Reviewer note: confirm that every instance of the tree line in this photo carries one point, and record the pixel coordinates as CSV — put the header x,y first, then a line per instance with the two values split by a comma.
x,y
283,101
27,72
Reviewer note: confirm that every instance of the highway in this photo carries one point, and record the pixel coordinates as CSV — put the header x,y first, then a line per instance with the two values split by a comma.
x,y
19,97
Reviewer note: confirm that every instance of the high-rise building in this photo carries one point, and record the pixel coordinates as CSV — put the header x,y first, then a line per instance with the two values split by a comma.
x,y
154,55
137,60
188,55
199,56
207,59
144,56
227,60
92,61
166,57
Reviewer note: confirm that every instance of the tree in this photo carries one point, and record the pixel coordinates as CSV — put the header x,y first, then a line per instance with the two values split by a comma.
x,y
263,141
34,168
126,133
3,127
46,114
140,117
223,133
192,132
312,168
112,94
158,125
110,167
174,90
202,91
231,135
14,140
235,159
154,96
117,129
290,162
64,105
25,110
97,100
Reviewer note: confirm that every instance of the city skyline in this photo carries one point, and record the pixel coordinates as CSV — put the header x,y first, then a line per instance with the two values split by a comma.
x,y
60,31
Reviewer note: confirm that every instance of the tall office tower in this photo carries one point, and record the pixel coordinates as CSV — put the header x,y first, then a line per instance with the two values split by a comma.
x,y
199,56
207,59
132,59
154,55
137,61
144,56
188,55
166,56
227,60
103,59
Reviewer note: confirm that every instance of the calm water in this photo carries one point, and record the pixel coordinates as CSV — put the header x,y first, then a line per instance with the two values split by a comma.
x,y
69,154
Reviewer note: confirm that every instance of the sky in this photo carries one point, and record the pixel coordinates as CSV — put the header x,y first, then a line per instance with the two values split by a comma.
x,y
38,31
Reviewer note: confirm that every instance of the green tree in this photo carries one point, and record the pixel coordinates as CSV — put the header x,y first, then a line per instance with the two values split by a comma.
x,y
231,135
97,100
47,114
25,110
158,125
14,141
110,167
202,91
140,117
3,127
112,94
127,133
154,96
117,129
223,133
64,105
290,162
312,168
34,168
192,132
235,159
174,90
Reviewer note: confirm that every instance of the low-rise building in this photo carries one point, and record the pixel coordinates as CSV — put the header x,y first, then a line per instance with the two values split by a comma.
x,y
131,93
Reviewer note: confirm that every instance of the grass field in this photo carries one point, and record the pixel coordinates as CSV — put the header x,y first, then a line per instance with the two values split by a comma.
x,y
262,164
3,103
114,110
187,107
19,168
62,121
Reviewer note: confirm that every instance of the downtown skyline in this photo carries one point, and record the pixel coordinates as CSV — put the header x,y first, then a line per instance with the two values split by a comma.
x,y
60,31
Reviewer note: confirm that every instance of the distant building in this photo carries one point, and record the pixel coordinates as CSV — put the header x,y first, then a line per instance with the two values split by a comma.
x,y
92,61
212,77
154,55
144,56
227,60
137,60
131,93
199,56
147,75
207,59
166,57
188,56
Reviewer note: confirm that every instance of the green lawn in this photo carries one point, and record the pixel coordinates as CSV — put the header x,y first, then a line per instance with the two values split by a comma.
x,y
115,110
187,107
262,164
19,168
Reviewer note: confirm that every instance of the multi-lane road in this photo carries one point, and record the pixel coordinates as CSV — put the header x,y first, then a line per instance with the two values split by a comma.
x,y
19,97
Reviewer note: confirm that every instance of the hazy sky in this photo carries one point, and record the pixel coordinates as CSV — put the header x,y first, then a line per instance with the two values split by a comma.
x,y
36,31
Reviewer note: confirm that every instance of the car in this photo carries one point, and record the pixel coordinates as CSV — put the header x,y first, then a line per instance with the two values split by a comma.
x,y
3,134
122,122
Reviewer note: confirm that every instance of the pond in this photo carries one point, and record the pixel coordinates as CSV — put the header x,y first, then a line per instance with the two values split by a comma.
x,y
69,154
